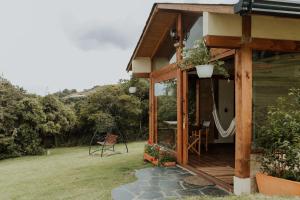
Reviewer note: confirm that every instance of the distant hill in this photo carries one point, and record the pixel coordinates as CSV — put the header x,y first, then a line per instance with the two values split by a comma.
x,y
83,93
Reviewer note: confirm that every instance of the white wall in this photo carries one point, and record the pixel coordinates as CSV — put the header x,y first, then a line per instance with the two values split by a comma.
x,y
262,26
141,65
159,62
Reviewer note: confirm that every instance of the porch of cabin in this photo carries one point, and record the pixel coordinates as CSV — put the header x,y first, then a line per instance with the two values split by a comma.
x,y
263,67
217,162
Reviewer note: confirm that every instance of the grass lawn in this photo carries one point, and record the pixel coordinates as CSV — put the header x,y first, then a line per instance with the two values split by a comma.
x,y
68,173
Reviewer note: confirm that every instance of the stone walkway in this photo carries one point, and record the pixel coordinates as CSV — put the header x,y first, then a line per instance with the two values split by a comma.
x,y
162,183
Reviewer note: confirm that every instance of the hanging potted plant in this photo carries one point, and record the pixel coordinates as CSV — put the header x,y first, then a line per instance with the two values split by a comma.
x,y
279,139
199,57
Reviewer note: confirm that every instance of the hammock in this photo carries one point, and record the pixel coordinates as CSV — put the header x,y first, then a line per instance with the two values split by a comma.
x,y
231,129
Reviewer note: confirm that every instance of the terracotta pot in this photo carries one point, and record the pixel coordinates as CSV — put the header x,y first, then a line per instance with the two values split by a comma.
x,y
148,157
270,185
169,164
155,162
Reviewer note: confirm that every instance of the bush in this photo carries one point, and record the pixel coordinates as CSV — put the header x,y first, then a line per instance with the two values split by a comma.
x,y
279,138
28,141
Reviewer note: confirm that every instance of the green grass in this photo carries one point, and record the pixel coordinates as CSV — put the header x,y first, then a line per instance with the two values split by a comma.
x,y
68,173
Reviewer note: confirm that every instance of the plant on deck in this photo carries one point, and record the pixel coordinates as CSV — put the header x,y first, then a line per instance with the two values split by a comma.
x,y
166,156
152,150
279,138
159,155
200,55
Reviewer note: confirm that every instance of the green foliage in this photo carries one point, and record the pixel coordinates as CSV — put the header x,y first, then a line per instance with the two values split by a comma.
x,y
110,109
167,108
152,150
64,93
24,119
200,55
28,141
9,98
31,119
279,138
30,122
60,118
166,156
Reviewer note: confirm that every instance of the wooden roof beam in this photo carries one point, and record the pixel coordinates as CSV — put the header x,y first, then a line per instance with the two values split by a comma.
x,y
229,9
262,44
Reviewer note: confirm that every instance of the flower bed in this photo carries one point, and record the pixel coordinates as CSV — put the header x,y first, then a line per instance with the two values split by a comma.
x,y
151,153
159,156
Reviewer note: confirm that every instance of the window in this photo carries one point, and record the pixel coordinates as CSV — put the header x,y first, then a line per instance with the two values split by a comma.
x,y
166,113
273,75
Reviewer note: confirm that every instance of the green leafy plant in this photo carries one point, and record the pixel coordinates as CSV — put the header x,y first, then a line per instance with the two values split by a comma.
x,y
279,138
200,55
152,150
166,156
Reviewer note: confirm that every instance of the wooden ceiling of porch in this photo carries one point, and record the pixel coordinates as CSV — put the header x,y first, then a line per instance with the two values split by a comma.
x,y
155,39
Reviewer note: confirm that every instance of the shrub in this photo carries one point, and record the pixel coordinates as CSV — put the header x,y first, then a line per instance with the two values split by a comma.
x,y
279,138
27,141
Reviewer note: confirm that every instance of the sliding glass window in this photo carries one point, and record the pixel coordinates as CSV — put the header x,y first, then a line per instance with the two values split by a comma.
x,y
274,74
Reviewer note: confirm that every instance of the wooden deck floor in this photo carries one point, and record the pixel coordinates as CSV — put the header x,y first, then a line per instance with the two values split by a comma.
x,y
216,164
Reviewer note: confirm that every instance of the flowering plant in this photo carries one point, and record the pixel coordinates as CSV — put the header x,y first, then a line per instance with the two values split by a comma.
x,y
152,150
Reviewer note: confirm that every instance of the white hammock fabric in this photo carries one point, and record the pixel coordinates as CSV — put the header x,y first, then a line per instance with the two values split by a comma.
x,y
231,129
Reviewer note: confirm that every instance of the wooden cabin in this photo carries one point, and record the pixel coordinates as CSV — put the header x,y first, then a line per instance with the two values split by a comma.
x,y
259,41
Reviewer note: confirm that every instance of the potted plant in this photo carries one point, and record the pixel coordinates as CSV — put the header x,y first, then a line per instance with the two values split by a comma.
x,y
166,159
279,139
199,56
151,153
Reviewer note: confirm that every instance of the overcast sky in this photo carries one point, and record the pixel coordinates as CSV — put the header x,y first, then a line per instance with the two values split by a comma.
x,y
49,45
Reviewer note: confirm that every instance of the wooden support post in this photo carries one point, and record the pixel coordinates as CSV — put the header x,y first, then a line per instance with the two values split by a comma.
x,y
180,35
243,89
179,116
179,91
151,110
155,124
185,133
197,102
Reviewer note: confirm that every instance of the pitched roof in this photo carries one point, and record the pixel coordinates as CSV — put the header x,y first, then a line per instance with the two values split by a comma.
x,y
162,17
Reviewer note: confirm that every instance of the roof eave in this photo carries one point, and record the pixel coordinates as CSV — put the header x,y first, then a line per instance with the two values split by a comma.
x,y
224,8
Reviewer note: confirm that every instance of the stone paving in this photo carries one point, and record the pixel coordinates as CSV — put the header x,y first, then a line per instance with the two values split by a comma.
x,y
162,183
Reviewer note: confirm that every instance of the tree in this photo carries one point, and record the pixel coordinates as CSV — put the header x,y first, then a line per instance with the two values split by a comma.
x,y
31,120
9,97
60,118
110,109
142,93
